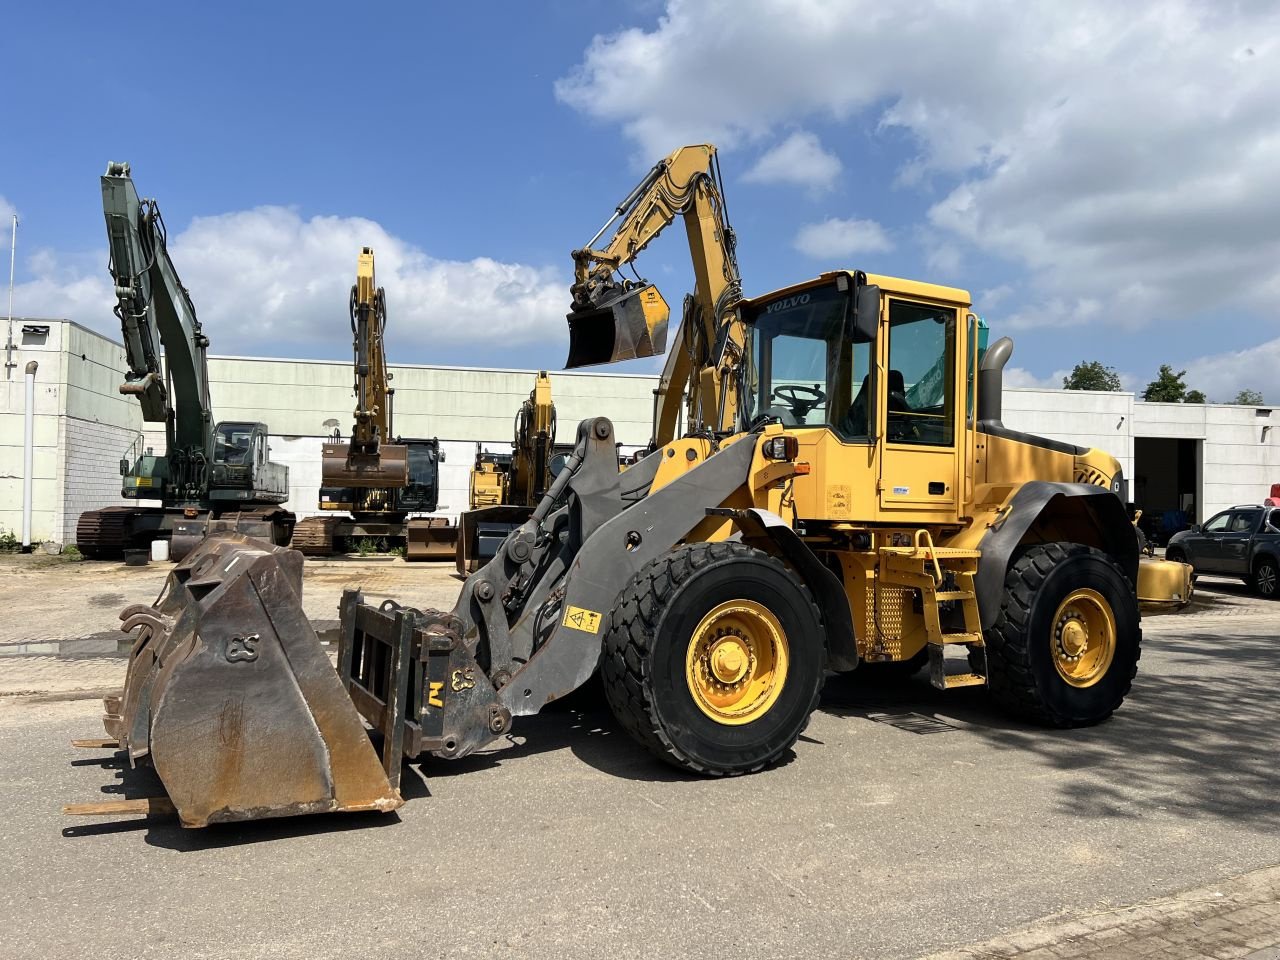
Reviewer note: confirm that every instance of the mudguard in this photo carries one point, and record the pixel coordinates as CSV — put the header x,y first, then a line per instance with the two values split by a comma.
x,y
837,618
1112,533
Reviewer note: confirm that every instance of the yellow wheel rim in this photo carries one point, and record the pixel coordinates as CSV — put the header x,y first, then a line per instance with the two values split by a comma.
x,y
737,662
1084,638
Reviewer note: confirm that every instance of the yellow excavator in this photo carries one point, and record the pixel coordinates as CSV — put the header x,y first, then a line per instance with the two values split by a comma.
x,y
614,319
844,497
505,487
371,484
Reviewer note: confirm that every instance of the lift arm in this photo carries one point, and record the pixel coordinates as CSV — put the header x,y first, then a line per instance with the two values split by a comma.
x,y
155,311
614,319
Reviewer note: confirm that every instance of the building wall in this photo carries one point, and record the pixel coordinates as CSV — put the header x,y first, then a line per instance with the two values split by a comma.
x,y
48,395
1239,458
98,425
83,425
1086,418
303,401
298,398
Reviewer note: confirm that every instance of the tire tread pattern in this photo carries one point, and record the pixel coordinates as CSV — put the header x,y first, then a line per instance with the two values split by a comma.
x,y
633,627
1010,678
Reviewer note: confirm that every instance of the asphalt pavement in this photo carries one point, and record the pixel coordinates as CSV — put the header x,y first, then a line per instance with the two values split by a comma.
x,y
907,821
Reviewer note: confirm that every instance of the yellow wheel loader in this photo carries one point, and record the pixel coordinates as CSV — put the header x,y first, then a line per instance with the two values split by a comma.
x,y
870,509
845,496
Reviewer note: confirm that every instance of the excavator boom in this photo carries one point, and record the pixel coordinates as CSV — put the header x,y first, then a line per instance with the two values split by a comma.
x,y
369,460
615,319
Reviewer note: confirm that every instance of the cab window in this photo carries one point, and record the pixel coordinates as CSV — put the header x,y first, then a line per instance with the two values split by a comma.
x,y
1218,524
805,368
1244,522
921,380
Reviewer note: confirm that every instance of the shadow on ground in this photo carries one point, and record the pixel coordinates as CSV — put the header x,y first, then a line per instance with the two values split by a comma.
x,y
1196,740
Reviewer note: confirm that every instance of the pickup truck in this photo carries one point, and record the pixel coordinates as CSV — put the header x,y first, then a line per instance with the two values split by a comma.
x,y
1241,542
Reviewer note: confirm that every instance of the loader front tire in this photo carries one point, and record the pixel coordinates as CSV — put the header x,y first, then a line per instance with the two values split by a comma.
x,y
714,658
1064,649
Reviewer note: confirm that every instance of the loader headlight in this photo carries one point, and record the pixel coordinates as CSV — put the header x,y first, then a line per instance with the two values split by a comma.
x,y
785,447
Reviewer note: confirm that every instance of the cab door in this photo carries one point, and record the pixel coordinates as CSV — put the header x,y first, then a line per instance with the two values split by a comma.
x,y
919,416
1235,542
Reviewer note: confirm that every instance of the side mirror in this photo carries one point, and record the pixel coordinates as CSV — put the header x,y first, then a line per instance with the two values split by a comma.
x,y
1194,528
866,311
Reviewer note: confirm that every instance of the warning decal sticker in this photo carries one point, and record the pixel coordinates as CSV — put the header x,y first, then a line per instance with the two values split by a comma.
x,y
588,621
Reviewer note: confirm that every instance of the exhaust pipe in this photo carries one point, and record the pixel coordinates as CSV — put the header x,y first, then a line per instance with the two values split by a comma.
x,y
991,381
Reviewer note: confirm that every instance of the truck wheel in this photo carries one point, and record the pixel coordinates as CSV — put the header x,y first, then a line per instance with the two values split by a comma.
x,y
1064,649
714,658
1266,578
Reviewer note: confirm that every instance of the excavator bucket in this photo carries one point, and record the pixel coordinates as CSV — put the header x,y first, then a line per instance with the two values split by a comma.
x,y
342,465
230,696
630,325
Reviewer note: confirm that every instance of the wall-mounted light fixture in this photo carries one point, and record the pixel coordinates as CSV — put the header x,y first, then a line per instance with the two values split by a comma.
x,y
1120,423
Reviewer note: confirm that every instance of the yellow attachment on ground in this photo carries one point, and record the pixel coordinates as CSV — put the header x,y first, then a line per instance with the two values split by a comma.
x,y
1083,637
1164,583
737,662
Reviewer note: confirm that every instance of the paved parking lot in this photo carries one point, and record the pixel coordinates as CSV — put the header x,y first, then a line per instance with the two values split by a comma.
x,y
874,840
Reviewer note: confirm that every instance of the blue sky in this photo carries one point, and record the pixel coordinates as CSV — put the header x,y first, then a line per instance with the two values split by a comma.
x,y
1104,182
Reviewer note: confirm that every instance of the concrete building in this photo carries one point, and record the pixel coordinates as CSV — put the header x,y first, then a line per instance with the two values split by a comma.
x,y
1192,458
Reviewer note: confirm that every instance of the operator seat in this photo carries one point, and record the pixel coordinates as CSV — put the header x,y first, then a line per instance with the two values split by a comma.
x,y
855,421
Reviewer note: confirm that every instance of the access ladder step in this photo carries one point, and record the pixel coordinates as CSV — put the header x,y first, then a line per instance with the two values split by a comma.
x,y
968,639
944,595
963,680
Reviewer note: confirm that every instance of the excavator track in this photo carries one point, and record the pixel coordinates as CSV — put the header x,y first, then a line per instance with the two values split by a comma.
x,y
315,536
104,534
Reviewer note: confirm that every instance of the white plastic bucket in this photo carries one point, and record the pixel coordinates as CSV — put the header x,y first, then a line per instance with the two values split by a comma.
x,y
160,550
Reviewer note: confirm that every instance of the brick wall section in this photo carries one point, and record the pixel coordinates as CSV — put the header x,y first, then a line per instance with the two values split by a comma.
x,y
91,468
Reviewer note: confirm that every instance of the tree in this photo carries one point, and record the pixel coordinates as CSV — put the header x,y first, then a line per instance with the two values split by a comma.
x,y
1092,375
1250,398
1167,387
1195,396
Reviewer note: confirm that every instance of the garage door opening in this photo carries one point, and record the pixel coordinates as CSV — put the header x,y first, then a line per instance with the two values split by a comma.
x,y
1166,484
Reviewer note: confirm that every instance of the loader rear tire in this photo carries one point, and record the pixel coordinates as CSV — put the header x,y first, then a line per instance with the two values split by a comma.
x,y
713,659
1064,649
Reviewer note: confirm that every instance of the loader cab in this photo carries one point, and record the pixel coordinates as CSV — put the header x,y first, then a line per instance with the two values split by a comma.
x,y
870,372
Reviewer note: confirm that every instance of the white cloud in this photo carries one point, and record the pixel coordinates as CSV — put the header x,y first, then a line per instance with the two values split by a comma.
x,y
267,278
7,210
799,159
1126,156
992,298
1021,378
1223,375
834,238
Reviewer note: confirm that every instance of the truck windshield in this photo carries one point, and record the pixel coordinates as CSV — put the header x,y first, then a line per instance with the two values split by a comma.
x,y
803,364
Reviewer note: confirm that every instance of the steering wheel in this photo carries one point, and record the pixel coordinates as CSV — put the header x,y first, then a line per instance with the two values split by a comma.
x,y
800,398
